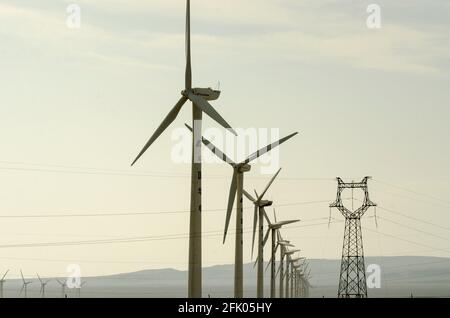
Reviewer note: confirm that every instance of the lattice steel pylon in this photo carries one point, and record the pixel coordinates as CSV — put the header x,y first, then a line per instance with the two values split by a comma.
x,y
352,281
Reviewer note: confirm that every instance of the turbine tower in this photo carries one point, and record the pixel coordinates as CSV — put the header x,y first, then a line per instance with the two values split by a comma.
x,y
24,285
273,229
43,285
352,282
258,216
236,189
2,281
199,98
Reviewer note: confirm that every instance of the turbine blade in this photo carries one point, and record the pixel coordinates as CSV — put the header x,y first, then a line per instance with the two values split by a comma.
x,y
166,122
268,148
256,262
278,270
231,197
269,184
219,153
248,196
268,264
21,274
267,218
275,215
210,111
188,75
266,237
5,275
255,216
283,223
39,277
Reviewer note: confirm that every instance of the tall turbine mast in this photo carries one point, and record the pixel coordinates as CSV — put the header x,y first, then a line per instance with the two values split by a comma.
x,y
352,282
199,98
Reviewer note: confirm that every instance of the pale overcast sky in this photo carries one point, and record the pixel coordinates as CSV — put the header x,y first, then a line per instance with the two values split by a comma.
x,y
77,105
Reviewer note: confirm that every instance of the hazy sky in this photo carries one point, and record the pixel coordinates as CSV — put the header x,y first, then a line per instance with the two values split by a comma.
x,y
77,105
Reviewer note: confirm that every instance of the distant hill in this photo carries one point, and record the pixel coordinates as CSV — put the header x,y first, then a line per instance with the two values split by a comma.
x,y
401,277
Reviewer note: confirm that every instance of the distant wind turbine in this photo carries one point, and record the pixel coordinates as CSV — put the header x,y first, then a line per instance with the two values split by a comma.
x,y
2,281
63,287
236,188
293,262
43,285
288,254
273,229
258,216
199,98
24,285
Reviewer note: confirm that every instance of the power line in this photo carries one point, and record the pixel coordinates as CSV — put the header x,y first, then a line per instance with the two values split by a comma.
x,y
12,216
410,217
414,229
412,191
123,173
129,239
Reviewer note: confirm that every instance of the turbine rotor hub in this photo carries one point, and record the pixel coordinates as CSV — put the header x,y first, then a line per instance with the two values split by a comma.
x,y
245,168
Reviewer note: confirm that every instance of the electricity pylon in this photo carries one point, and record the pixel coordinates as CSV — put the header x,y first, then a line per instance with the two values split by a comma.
x,y
352,281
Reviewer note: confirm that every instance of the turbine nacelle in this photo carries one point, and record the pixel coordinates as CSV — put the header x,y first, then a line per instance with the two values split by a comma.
x,y
206,93
245,168
265,203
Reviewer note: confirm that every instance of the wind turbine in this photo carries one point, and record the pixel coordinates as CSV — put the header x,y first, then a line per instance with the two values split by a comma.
x,y
297,279
43,284
236,189
272,229
288,254
2,281
284,245
63,287
293,262
24,285
258,215
199,98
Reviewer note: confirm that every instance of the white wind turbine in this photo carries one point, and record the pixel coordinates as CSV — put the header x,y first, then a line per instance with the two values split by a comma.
x,y
63,287
43,285
2,281
236,189
199,98
273,230
258,216
24,285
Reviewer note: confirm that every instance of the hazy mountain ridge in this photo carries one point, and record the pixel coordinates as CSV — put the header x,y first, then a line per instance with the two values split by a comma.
x,y
400,277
